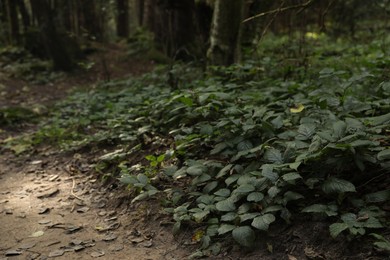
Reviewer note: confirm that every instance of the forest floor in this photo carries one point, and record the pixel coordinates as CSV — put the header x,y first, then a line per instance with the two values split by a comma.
x,y
52,205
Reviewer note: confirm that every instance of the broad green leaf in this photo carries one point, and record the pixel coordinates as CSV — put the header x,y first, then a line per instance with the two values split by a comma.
x,y
384,155
292,176
228,217
379,120
195,170
290,195
263,222
372,223
142,178
244,145
306,131
273,191
187,101
225,228
223,193
335,185
267,171
377,197
273,208
273,155
255,196
232,179
315,208
294,165
225,205
247,216
244,235
225,170
210,186
336,228
245,188
339,129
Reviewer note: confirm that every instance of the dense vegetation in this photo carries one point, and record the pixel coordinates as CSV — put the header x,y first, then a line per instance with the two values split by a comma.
x,y
234,150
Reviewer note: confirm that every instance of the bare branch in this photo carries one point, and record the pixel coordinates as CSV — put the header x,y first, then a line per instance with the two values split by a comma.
x,y
304,5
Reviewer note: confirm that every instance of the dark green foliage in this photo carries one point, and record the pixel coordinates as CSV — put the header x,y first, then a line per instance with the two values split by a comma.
x,y
248,147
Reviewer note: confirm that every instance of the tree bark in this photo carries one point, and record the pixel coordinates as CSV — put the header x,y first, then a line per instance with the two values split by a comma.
x,y
225,32
54,43
122,19
13,22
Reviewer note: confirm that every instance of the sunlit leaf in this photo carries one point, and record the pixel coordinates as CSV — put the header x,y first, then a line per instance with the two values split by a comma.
x,y
298,109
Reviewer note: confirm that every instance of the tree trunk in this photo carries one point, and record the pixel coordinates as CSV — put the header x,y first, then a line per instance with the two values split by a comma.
x,y
225,31
13,22
54,43
24,13
91,22
123,21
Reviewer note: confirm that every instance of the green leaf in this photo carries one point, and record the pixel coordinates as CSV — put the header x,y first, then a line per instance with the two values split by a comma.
x,y
255,196
315,208
292,176
267,171
273,208
384,155
379,120
225,228
377,197
195,170
294,165
273,191
210,186
244,235
224,171
335,185
336,228
339,129
245,188
142,178
263,222
306,131
187,101
223,193
247,216
244,145
225,205
290,195
273,155
231,216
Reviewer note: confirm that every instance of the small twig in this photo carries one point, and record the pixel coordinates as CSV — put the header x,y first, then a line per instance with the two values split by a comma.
x,y
72,190
278,10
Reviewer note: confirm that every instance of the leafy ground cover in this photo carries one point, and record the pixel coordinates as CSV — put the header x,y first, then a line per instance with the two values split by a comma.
x,y
300,132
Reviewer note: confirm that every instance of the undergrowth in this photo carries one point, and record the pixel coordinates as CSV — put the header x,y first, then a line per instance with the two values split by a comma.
x,y
234,150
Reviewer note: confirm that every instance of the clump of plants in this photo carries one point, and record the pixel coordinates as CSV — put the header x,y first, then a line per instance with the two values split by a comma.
x,y
237,152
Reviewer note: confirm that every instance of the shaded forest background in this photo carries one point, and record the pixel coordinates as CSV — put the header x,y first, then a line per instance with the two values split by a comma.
x,y
209,31
264,118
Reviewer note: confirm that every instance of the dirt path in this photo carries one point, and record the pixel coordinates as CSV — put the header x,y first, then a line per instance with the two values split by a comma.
x,y
55,209
52,206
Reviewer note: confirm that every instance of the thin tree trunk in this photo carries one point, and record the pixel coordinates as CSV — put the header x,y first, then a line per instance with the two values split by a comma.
x,y
225,32
13,22
123,21
54,43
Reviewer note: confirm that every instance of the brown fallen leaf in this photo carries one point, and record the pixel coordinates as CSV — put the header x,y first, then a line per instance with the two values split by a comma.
x,y
291,257
97,253
55,253
48,193
13,252
27,245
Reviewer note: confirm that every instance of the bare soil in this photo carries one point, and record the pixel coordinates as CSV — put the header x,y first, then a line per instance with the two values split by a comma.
x,y
53,205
